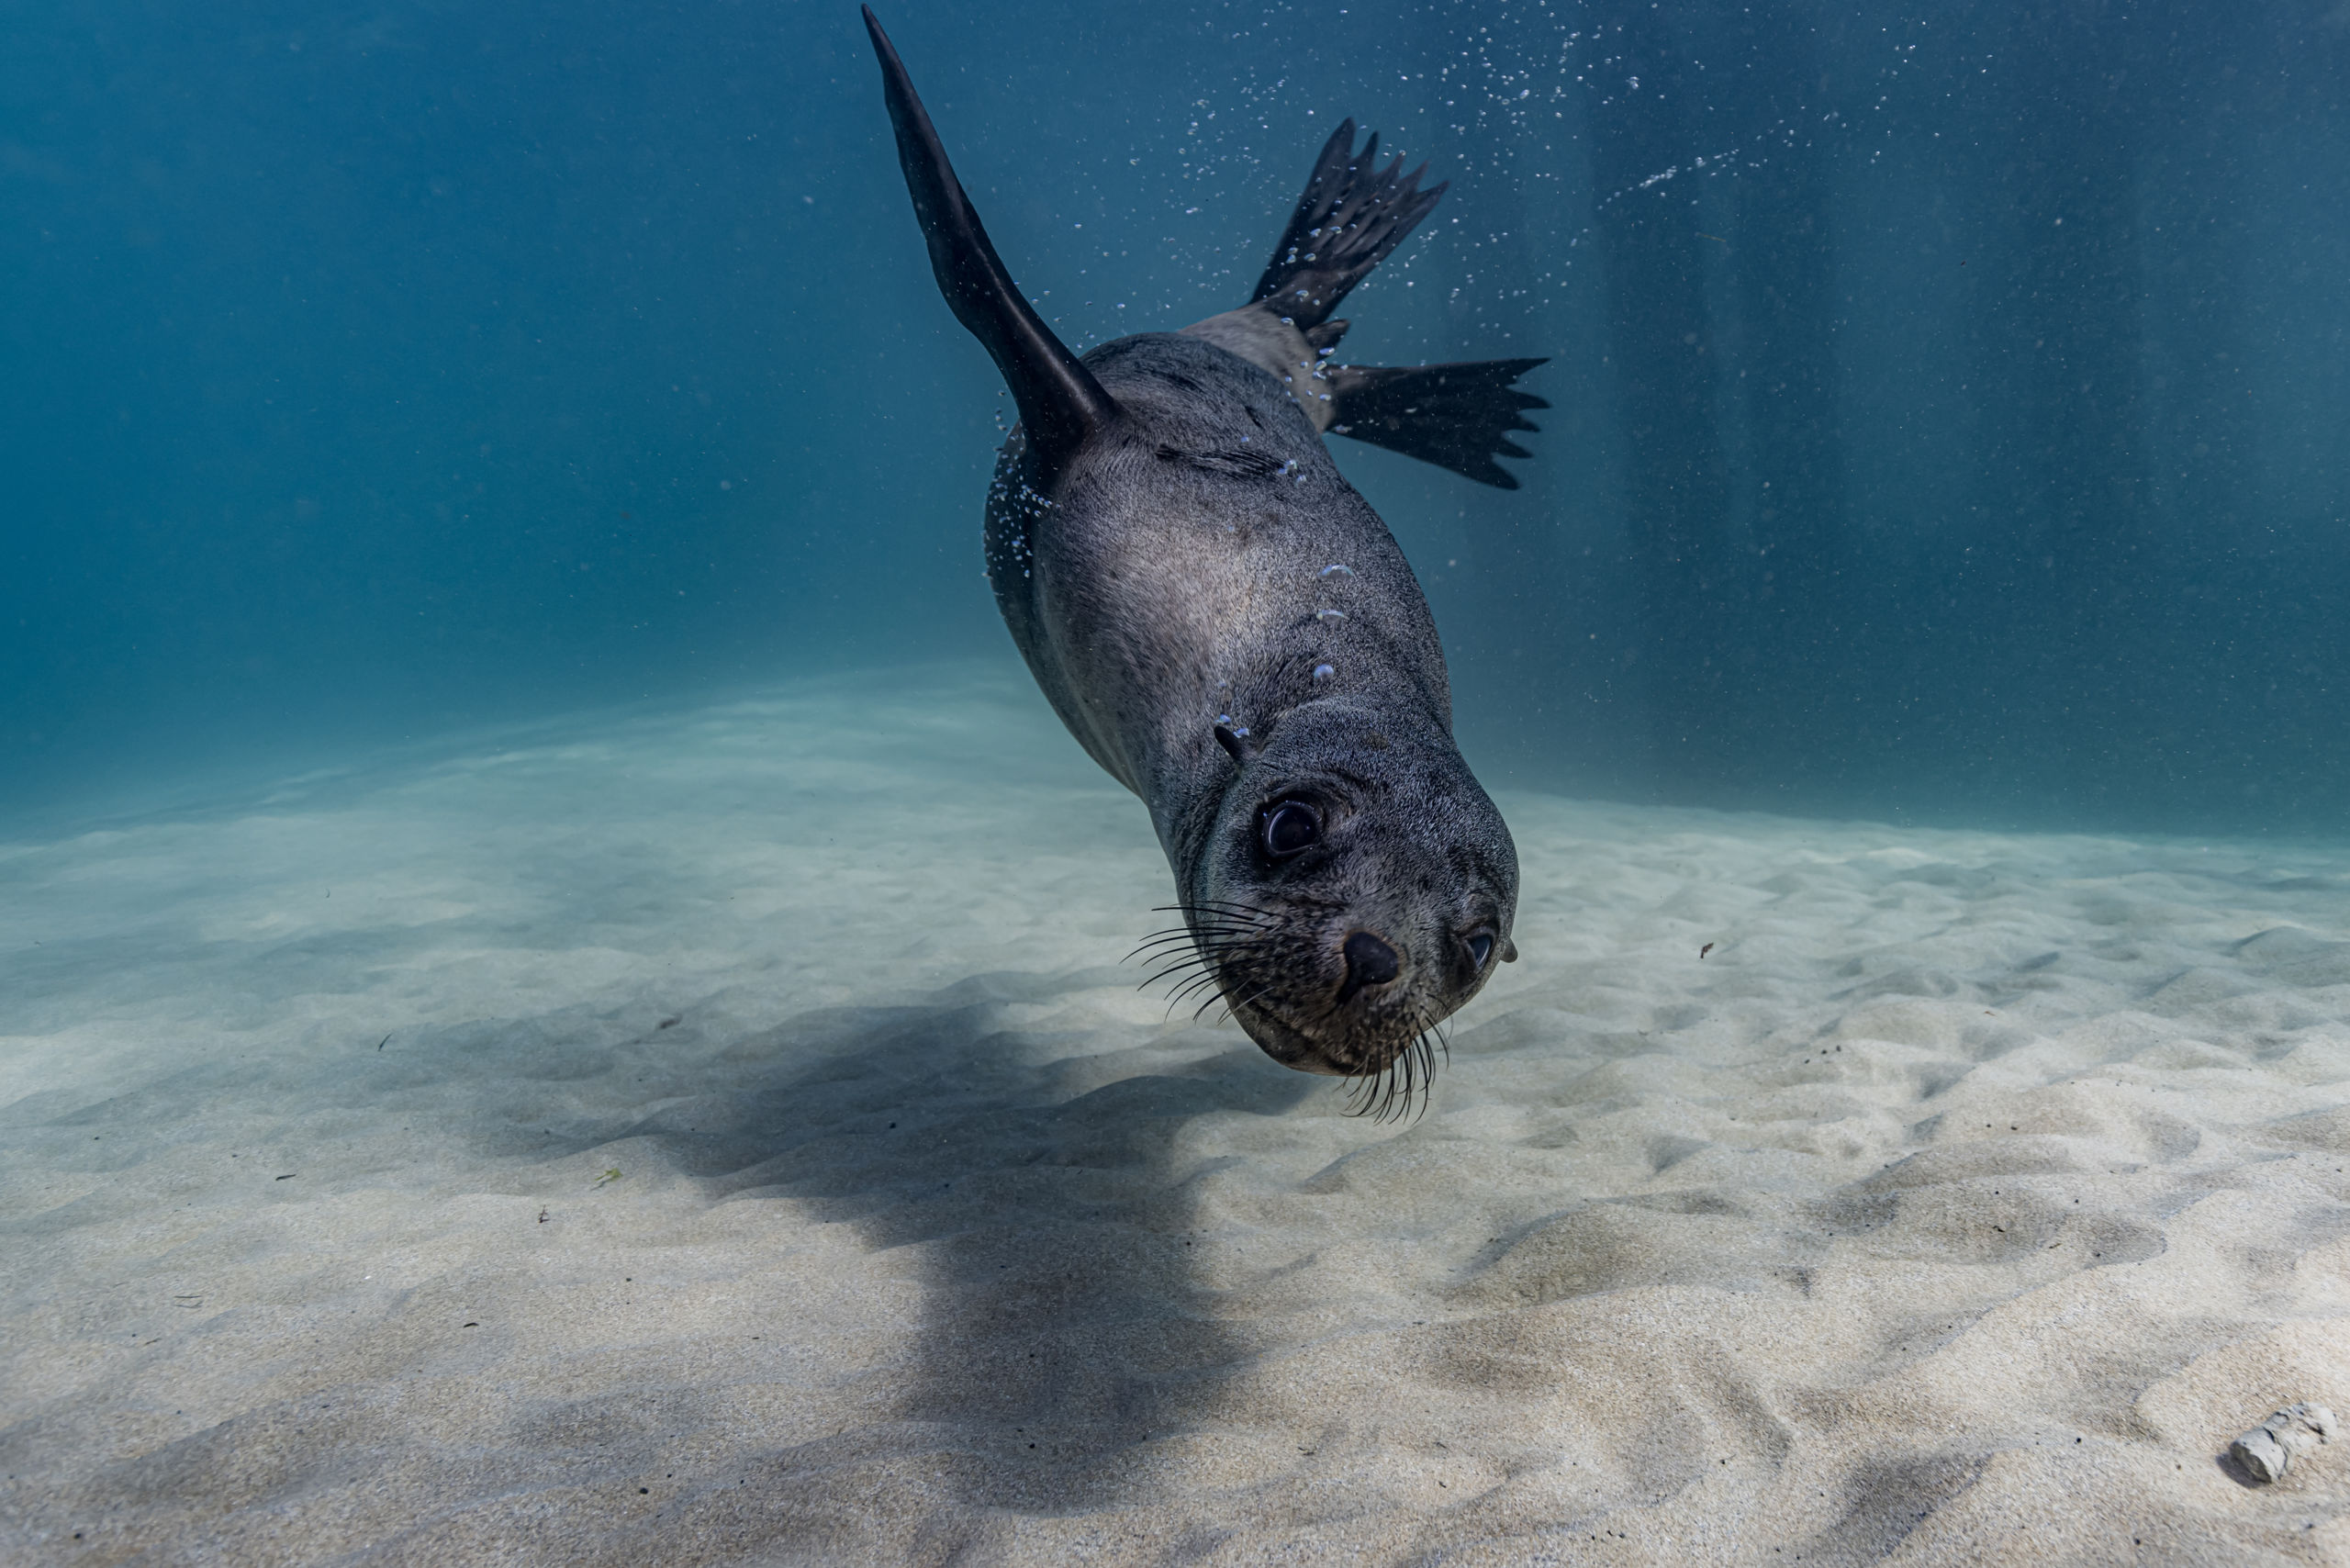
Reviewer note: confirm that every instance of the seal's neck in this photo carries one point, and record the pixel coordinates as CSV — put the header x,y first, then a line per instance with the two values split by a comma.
x,y
1277,347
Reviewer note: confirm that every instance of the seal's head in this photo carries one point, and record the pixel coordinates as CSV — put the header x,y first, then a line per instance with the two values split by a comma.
x,y
1356,887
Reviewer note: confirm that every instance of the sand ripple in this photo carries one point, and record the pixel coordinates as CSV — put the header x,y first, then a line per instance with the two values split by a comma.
x,y
732,1136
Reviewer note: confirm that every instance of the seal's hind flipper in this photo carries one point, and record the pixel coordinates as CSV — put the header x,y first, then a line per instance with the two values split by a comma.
x,y
1060,403
1349,217
1455,416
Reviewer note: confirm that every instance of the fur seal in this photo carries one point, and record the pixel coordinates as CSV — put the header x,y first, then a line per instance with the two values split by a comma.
x,y
1227,627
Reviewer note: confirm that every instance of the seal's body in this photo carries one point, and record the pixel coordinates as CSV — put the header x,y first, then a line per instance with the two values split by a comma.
x,y
1227,627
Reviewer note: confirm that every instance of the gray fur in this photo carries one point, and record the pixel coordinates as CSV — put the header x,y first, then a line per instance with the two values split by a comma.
x,y
1226,626
1177,577
1275,344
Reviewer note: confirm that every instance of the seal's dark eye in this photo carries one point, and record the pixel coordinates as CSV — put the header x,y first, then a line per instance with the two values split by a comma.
x,y
1481,948
1287,828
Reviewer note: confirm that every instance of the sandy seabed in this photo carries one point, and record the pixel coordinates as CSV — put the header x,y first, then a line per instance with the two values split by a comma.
x,y
734,1135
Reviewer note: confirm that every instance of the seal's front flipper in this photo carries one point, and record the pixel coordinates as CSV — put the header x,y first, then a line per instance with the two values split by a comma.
x,y
1455,416
1350,216
1061,405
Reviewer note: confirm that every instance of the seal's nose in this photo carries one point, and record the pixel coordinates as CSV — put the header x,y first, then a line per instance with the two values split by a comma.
x,y
1369,962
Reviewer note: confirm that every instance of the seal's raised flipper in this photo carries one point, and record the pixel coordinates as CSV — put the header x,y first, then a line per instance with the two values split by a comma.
x,y
1455,416
1350,216
1060,403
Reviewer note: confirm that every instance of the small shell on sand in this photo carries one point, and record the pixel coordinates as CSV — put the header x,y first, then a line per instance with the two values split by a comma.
x,y
2265,1449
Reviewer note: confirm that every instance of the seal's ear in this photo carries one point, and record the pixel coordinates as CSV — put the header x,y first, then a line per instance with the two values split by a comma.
x,y
1509,952
1060,403
1238,743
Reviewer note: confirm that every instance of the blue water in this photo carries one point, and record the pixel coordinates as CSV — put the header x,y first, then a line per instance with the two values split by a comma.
x,y
1965,438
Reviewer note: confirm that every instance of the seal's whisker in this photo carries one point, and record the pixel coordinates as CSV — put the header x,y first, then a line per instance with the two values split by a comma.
x,y
1216,949
1163,940
1404,1086
1221,996
1427,1073
1403,1078
1231,1008
1238,917
1192,987
1159,944
1178,958
1216,908
1378,1093
1210,1000
1207,953
1240,991
1178,1000
1407,1079
1210,937
1208,931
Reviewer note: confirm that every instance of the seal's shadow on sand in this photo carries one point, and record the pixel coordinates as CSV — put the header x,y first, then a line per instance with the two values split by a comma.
x,y
1052,1203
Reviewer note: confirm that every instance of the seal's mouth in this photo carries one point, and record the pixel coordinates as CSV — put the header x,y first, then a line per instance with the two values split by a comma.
x,y
1317,992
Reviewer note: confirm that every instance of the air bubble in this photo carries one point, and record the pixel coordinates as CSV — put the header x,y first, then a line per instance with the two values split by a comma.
x,y
1324,672
1328,571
